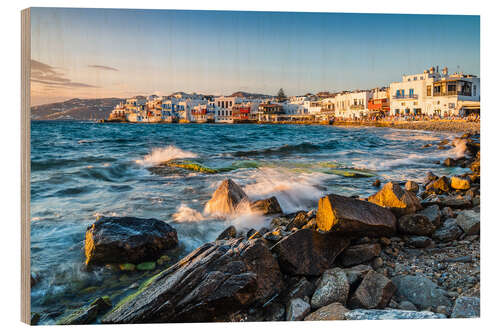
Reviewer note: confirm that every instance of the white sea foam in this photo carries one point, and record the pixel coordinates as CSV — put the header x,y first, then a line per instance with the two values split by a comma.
x,y
293,191
187,214
460,146
161,155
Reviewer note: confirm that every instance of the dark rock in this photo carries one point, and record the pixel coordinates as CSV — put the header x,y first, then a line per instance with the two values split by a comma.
x,y
127,239
333,287
349,216
440,185
308,252
390,314
297,309
356,274
213,281
88,314
267,206
228,233
375,291
469,222
377,263
421,291
275,312
226,199
406,305
334,311
395,198
376,183
419,241
466,307
450,162
358,254
433,213
415,224
448,232
300,220
455,202
412,186
459,259
430,177
300,289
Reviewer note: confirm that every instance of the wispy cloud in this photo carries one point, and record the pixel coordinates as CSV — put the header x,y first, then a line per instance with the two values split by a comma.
x,y
50,76
105,68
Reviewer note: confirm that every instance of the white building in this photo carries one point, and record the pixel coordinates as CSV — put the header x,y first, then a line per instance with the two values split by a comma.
x,y
352,105
224,112
434,93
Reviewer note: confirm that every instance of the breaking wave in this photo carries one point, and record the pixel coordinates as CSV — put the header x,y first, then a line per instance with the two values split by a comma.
x,y
293,191
162,155
187,214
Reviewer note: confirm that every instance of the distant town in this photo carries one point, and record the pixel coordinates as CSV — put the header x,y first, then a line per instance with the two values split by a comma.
x,y
430,94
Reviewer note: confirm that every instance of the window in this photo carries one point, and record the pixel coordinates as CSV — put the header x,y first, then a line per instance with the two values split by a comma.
x,y
452,88
411,92
429,90
403,92
474,90
437,90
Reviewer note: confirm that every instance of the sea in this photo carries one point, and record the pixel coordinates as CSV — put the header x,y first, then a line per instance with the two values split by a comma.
x,y
83,170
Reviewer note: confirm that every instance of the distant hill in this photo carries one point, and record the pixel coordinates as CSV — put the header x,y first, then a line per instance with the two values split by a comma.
x,y
76,109
244,94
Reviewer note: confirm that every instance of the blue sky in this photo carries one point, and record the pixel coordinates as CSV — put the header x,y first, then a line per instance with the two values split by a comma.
x,y
107,52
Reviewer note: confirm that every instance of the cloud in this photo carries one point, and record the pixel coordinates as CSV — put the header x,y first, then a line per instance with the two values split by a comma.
x,y
106,68
49,76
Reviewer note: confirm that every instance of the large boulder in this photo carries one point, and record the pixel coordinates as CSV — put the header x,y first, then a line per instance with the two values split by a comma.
x,y
358,254
333,287
433,213
420,291
334,311
308,252
211,283
448,232
469,221
266,206
397,199
390,314
458,183
412,186
375,291
466,307
415,224
226,199
439,186
127,239
349,216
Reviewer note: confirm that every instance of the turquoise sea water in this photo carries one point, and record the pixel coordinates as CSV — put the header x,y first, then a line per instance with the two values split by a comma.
x,y
80,170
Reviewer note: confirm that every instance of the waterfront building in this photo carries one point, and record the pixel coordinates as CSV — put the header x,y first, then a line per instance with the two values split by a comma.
x,y
224,113
435,93
352,105
313,107
270,112
380,103
203,113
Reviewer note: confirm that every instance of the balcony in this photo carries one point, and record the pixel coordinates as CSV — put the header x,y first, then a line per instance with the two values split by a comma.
x,y
357,107
413,96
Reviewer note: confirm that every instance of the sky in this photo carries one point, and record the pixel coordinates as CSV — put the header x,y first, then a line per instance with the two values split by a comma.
x,y
96,53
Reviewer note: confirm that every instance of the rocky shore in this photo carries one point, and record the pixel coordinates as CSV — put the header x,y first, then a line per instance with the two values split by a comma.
x,y
409,251
457,126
